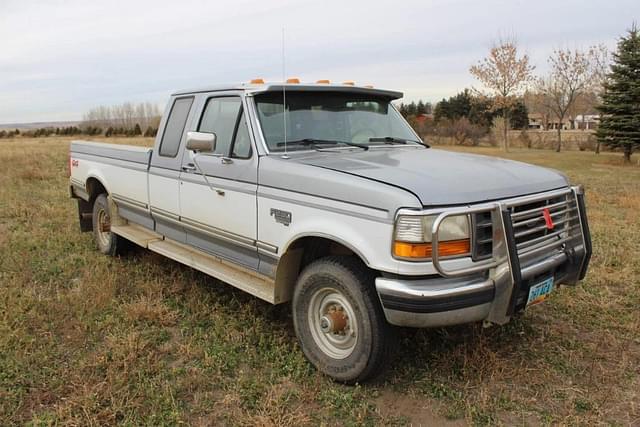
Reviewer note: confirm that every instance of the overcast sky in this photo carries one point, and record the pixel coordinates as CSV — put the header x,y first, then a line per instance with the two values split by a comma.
x,y
61,57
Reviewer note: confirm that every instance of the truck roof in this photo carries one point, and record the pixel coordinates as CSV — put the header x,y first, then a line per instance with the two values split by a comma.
x,y
254,88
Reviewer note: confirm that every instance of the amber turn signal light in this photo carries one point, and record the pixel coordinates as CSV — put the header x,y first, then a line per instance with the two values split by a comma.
x,y
424,250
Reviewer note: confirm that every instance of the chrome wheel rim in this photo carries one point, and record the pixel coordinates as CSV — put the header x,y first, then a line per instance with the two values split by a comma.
x,y
333,324
104,224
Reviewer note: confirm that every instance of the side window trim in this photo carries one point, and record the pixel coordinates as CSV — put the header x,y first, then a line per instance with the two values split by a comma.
x,y
184,125
235,136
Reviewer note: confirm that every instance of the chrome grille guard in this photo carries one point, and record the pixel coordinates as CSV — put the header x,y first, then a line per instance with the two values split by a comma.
x,y
515,257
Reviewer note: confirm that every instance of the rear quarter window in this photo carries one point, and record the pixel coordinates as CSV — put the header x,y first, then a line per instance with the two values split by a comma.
x,y
174,128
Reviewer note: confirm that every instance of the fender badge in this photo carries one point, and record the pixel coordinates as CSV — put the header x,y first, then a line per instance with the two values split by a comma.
x,y
547,219
282,217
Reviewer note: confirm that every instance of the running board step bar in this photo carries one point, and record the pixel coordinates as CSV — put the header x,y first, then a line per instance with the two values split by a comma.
x,y
137,234
262,287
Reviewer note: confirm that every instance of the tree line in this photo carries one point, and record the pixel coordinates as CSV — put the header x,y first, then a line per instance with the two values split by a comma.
x,y
578,80
126,120
466,116
124,116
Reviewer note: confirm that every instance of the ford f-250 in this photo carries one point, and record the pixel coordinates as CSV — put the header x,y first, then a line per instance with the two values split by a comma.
x,y
321,194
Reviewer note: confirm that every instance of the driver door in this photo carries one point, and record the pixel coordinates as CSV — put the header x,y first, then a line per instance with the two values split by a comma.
x,y
218,210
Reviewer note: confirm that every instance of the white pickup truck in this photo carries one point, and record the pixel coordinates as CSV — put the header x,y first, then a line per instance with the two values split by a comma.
x,y
322,195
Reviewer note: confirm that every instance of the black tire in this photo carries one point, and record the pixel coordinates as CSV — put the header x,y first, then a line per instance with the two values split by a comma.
x,y
108,243
337,353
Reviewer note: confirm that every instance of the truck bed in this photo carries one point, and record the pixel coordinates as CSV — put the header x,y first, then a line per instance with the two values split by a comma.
x,y
128,153
120,168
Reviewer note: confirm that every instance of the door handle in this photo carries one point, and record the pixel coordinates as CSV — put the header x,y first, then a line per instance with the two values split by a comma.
x,y
189,168
226,160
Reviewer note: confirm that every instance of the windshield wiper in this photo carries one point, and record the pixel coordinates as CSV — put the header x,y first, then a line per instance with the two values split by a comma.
x,y
314,141
394,140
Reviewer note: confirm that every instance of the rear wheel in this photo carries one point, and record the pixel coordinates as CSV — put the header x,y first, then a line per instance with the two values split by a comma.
x,y
107,242
339,321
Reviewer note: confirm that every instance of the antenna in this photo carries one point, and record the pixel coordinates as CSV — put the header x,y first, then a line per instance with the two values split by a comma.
x,y
284,100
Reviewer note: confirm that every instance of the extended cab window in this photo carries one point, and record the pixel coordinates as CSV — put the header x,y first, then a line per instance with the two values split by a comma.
x,y
175,127
224,117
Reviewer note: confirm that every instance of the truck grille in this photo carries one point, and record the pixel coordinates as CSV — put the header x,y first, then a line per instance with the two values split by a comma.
x,y
533,236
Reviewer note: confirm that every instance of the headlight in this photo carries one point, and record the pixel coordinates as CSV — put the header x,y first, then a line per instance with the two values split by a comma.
x,y
412,238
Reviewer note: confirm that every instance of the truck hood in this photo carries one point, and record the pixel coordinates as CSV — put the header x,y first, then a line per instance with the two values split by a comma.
x,y
439,177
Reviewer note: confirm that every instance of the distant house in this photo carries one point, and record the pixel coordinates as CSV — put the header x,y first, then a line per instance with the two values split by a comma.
x,y
555,124
536,121
587,121
539,121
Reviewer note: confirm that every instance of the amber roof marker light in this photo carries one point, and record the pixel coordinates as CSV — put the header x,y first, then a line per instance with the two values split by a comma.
x,y
324,81
293,80
257,81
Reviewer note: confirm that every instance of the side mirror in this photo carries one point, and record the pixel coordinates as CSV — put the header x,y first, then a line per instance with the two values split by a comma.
x,y
202,142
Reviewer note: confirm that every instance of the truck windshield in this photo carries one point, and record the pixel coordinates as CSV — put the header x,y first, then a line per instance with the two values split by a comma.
x,y
347,118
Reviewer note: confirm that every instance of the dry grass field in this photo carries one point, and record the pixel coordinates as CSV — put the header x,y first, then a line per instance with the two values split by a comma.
x,y
90,340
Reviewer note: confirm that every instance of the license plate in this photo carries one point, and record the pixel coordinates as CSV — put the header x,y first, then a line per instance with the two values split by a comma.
x,y
540,291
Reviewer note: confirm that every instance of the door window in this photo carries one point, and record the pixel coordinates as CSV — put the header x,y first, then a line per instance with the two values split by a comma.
x,y
224,117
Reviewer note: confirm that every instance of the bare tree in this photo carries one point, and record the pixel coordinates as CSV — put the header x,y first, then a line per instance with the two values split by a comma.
x,y
600,62
124,116
505,75
571,76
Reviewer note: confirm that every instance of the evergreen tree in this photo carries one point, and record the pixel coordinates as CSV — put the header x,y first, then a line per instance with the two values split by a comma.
x,y
412,109
518,115
420,109
620,123
137,130
442,110
455,107
481,112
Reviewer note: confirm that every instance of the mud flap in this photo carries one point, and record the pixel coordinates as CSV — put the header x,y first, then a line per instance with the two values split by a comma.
x,y
85,215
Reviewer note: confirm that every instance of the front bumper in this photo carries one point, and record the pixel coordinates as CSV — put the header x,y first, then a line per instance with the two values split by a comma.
x,y
491,290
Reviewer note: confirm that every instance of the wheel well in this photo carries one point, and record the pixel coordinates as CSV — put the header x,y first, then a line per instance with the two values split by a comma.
x,y
85,207
301,253
94,189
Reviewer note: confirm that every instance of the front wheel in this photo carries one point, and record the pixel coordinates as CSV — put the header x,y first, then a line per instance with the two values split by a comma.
x,y
339,321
